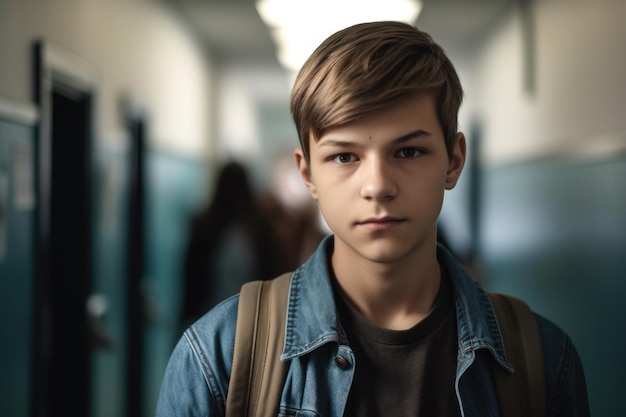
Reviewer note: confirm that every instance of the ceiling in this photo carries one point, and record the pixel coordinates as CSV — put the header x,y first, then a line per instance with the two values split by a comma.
x,y
233,30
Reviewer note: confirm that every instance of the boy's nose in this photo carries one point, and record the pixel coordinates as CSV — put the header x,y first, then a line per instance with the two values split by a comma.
x,y
377,182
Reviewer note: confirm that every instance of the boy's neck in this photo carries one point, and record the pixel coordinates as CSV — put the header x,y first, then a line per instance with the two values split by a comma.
x,y
395,295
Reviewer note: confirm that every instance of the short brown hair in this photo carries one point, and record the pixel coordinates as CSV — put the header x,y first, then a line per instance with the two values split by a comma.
x,y
369,67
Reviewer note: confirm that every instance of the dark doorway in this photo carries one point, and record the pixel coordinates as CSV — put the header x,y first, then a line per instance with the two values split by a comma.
x,y
64,242
136,267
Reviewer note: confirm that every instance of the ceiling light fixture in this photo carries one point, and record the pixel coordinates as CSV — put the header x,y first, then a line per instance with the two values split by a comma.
x,y
299,26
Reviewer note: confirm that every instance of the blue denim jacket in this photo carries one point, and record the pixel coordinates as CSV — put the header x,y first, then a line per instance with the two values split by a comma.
x,y
317,384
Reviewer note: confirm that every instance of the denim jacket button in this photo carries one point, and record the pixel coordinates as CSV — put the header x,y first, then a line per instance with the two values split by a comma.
x,y
341,362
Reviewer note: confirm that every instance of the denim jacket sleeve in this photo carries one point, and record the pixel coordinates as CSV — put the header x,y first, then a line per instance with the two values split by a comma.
x,y
184,391
565,379
196,378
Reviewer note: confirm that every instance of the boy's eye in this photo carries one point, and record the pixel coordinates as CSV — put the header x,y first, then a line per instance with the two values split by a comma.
x,y
343,158
408,153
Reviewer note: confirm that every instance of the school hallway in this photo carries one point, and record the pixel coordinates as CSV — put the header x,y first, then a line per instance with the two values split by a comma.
x,y
116,117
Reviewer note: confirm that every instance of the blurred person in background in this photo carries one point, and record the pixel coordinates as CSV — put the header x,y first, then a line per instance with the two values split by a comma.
x,y
231,241
295,216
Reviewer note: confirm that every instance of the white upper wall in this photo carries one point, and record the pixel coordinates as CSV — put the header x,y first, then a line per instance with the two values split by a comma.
x,y
580,95
139,48
254,125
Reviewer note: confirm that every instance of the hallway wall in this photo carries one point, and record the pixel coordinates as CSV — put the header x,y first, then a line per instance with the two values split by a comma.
x,y
142,58
551,154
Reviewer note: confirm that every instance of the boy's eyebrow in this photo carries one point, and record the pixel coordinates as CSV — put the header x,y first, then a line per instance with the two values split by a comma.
x,y
412,135
337,143
345,143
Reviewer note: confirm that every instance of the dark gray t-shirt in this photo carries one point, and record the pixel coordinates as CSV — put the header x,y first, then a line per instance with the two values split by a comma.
x,y
403,373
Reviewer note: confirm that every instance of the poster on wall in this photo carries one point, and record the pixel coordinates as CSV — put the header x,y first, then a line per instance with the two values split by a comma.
x,y
23,169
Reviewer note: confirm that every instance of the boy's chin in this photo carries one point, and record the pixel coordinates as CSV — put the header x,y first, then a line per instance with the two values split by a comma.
x,y
383,251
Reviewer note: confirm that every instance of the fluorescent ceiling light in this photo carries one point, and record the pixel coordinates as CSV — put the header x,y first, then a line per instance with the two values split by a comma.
x,y
299,26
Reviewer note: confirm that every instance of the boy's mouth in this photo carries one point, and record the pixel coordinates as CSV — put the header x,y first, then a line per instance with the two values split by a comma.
x,y
380,223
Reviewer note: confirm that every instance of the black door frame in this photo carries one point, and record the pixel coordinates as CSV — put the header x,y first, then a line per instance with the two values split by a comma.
x,y
136,125
57,73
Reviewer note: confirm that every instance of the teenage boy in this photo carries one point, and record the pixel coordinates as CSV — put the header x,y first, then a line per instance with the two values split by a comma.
x,y
381,319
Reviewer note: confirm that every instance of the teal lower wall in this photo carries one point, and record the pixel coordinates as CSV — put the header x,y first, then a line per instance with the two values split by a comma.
x,y
554,234
110,216
175,190
16,267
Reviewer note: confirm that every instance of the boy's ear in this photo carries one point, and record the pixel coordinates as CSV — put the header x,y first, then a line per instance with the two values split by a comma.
x,y
456,161
305,172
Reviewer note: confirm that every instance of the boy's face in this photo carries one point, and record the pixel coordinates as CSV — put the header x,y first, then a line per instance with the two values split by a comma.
x,y
380,180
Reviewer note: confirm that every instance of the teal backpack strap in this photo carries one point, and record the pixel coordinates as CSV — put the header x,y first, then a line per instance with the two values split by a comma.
x,y
523,393
257,374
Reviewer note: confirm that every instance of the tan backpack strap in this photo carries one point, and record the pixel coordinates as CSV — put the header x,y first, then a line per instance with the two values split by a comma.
x,y
257,375
523,393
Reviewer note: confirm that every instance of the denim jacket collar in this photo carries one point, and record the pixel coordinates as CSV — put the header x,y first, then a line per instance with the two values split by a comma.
x,y
477,325
312,320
